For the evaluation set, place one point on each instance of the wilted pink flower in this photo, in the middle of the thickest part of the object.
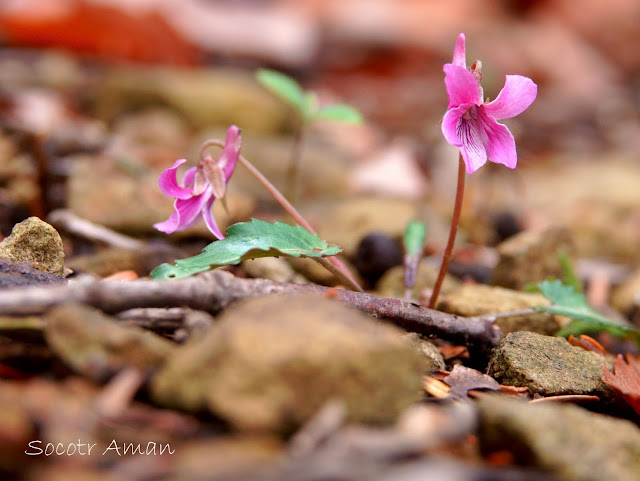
(200, 186)
(470, 124)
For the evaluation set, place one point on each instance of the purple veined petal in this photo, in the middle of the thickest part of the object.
(515, 97)
(207, 215)
(184, 215)
(450, 124)
(231, 151)
(169, 185)
(459, 52)
(474, 139)
(461, 85)
(500, 144)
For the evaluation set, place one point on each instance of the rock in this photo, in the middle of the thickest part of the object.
(34, 241)
(565, 440)
(273, 268)
(626, 296)
(376, 254)
(93, 343)
(21, 275)
(471, 300)
(204, 97)
(391, 284)
(532, 256)
(549, 366)
(311, 270)
(346, 221)
(323, 166)
(433, 359)
(271, 362)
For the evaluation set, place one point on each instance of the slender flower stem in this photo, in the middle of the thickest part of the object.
(455, 219)
(346, 276)
(293, 171)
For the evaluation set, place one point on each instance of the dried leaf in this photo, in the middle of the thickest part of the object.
(464, 379)
(587, 343)
(625, 379)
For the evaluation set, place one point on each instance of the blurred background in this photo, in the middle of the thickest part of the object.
(98, 96)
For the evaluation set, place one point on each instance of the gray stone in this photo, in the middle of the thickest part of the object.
(549, 366)
(36, 242)
(471, 300)
(271, 362)
(565, 440)
(433, 359)
(391, 284)
(95, 344)
(273, 268)
(203, 97)
(346, 221)
(532, 256)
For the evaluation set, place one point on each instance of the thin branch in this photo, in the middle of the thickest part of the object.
(66, 220)
(215, 290)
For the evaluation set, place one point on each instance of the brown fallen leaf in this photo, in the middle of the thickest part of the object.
(452, 352)
(625, 379)
(464, 379)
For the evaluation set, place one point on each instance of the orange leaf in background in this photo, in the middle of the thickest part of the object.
(85, 27)
(123, 276)
(587, 343)
(625, 379)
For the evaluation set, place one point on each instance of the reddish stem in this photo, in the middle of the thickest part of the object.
(455, 219)
(346, 276)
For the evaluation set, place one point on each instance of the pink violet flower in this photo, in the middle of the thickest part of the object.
(470, 123)
(194, 196)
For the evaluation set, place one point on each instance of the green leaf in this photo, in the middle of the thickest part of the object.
(414, 236)
(570, 277)
(579, 326)
(250, 240)
(284, 87)
(339, 113)
(567, 302)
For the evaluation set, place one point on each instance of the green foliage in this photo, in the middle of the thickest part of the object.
(586, 320)
(339, 113)
(284, 87)
(414, 237)
(570, 277)
(305, 103)
(250, 240)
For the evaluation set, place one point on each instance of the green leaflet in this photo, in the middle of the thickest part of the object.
(250, 240)
(567, 302)
(414, 236)
(305, 103)
(284, 87)
(339, 113)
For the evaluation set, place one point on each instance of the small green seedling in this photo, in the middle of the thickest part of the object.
(305, 104)
(413, 242)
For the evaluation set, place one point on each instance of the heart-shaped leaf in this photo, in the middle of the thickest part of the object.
(250, 240)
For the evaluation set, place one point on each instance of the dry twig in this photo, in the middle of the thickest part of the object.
(215, 290)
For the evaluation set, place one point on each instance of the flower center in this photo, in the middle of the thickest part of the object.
(471, 114)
